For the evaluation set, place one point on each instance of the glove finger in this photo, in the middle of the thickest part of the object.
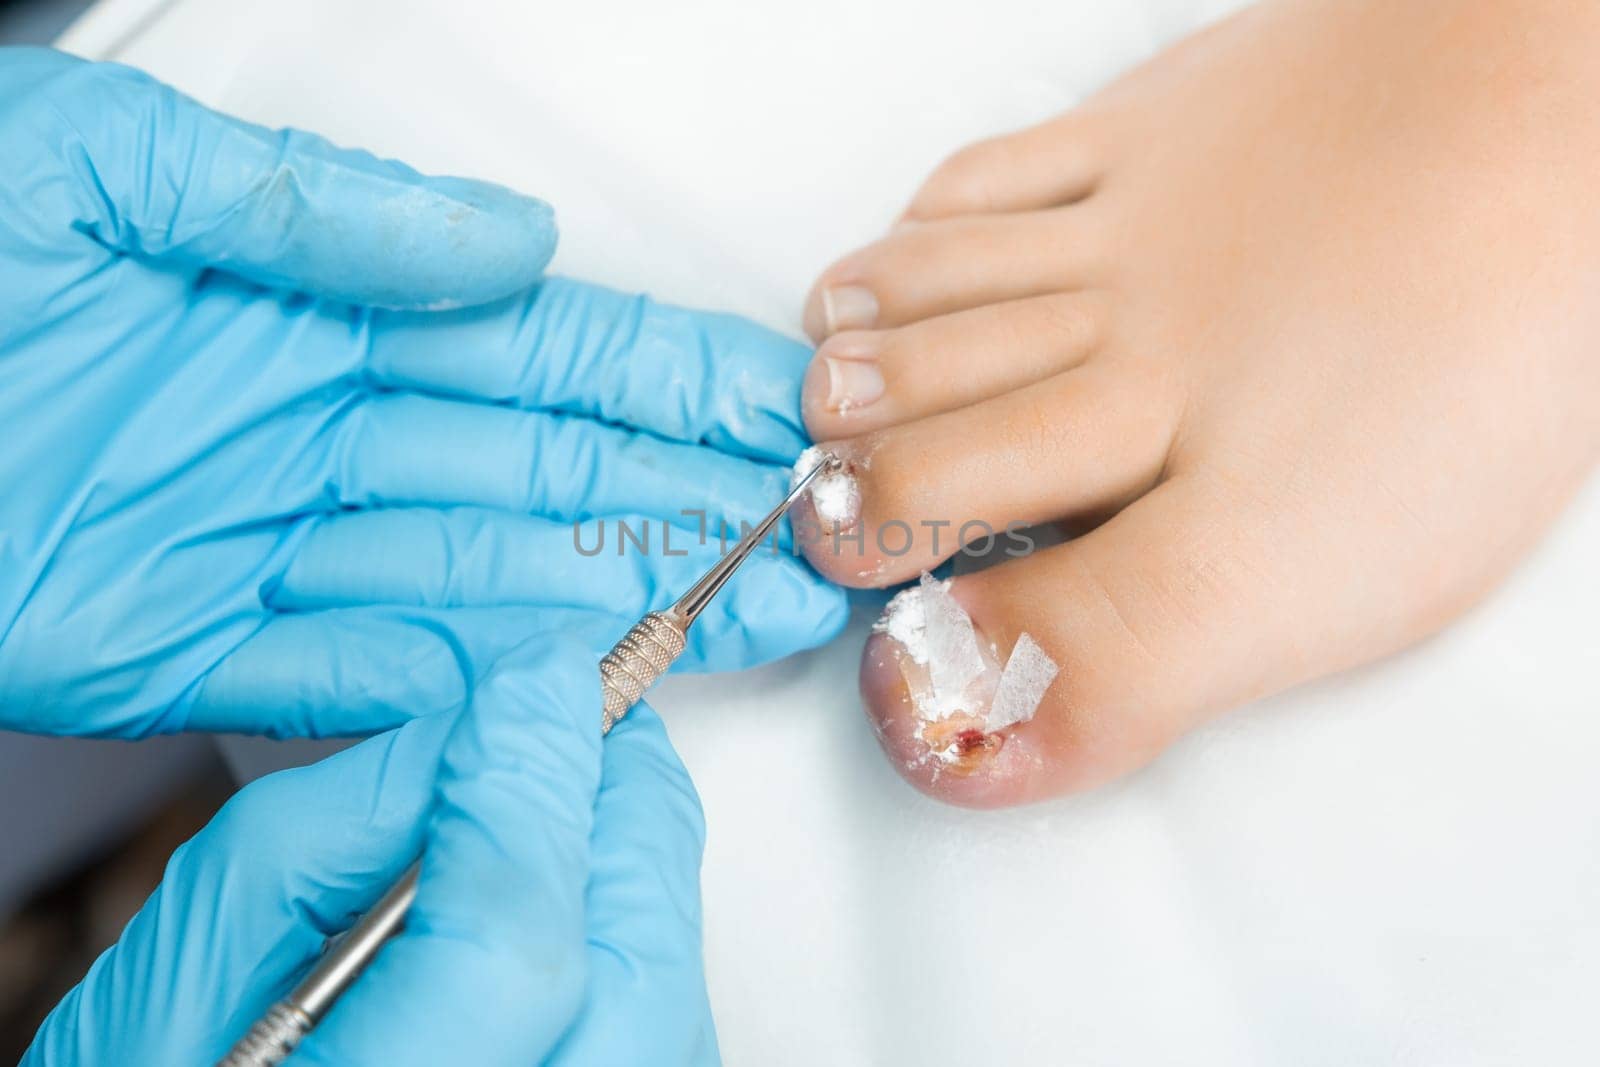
(147, 171)
(353, 671)
(472, 558)
(245, 906)
(492, 955)
(690, 376)
(401, 448)
(646, 997)
(347, 672)
(332, 674)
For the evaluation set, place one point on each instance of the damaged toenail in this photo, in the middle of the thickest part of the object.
(852, 384)
(967, 740)
(835, 494)
(849, 307)
(963, 698)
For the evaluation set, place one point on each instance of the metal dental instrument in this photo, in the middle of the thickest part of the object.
(634, 663)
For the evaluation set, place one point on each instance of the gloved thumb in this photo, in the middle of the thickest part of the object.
(493, 954)
(147, 171)
(245, 906)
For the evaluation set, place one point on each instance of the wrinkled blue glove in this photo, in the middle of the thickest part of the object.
(257, 475)
(557, 917)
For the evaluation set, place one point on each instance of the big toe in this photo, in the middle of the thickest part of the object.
(1081, 662)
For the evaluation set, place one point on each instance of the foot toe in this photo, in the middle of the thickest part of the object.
(1084, 442)
(1057, 162)
(864, 380)
(925, 269)
(1147, 630)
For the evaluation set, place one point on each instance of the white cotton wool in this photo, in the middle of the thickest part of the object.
(955, 659)
(905, 621)
(933, 630)
(834, 494)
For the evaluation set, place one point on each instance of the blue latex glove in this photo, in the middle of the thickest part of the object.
(557, 917)
(254, 475)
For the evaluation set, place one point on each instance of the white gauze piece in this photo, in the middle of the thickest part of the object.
(906, 622)
(834, 494)
(1028, 674)
(955, 660)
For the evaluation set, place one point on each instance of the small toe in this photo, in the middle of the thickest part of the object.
(1057, 162)
(1079, 443)
(925, 269)
(864, 380)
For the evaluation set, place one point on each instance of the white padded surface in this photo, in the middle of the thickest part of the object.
(1399, 866)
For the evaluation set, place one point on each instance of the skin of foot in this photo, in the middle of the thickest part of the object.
(1296, 329)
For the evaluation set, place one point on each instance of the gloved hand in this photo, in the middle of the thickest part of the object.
(292, 438)
(557, 917)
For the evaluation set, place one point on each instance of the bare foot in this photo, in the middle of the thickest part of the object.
(1305, 314)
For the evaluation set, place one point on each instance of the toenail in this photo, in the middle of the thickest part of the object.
(849, 307)
(835, 495)
(852, 383)
(965, 701)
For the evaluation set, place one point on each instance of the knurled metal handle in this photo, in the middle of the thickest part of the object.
(271, 1039)
(635, 662)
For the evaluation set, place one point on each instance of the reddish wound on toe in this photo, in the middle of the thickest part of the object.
(959, 744)
(971, 749)
(968, 741)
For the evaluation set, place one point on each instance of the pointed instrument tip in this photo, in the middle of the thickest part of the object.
(826, 465)
(692, 603)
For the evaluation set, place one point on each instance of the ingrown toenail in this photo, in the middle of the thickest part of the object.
(849, 307)
(964, 700)
(852, 384)
(835, 495)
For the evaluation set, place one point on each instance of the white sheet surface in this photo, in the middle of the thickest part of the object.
(1401, 865)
